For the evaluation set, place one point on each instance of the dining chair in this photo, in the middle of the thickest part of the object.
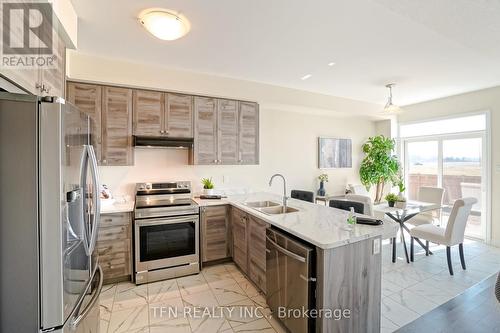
(303, 195)
(452, 235)
(433, 195)
(365, 200)
(359, 207)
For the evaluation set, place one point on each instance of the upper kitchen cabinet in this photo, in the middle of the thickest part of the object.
(53, 78)
(47, 80)
(205, 130)
(227, 136)
(226, 132)
(27, 78)
(88, 98)
(116, 125)
(248, 133)
(163, 114)
(179, 116)
(148, 113)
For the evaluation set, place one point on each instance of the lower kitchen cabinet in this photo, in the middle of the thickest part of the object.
(257, 251)
(214, 233)
(114, 247)
(239, 233)
(249, 246)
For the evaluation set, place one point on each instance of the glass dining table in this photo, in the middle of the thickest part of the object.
(401, 215)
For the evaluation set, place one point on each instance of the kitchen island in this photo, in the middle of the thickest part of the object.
(347, 259)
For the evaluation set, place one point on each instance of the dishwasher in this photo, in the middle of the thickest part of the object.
(290, 280)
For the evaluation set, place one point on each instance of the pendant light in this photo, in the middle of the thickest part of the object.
(390, 107)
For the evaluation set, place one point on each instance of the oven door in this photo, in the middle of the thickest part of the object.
(166, 242)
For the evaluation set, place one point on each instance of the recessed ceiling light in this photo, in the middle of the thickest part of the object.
(305, 77)
(331, 64)
(164, 24)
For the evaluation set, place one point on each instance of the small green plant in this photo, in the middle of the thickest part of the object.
(401, 183)
(323, 177)
(391, 197)
(207, 183)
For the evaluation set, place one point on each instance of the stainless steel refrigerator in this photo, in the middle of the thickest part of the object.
(50, 279)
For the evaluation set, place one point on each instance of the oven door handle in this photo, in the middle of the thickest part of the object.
(173, 220)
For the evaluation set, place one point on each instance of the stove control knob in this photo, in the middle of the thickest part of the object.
(148, 186)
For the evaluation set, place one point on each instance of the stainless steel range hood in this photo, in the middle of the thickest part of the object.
(163, 142)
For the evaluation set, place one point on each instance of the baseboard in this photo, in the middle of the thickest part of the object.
(495, 243)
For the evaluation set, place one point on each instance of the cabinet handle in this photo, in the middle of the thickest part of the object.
(104, 161)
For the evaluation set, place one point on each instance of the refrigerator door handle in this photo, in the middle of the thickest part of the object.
(95, 297)
(83, 186)
(96, 198)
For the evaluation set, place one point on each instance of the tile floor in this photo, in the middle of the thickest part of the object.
(160, 307)
(408, 291)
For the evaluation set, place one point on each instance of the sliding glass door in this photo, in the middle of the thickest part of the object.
(422, 166)
(463, 177)
(454, 162)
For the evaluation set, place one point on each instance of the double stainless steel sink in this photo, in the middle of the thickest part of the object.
(270, 207)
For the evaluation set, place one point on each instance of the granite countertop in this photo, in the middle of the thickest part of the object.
(319, 225)
(118, 207)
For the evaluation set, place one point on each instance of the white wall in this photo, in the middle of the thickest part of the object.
(290, 123)
(487, 99)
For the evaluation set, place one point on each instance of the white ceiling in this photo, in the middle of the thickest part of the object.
(430, 48)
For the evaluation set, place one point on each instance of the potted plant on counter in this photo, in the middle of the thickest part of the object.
(208, 186)
(391, 199)
(322, 179)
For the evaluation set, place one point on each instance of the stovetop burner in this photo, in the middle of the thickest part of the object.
(164, 199)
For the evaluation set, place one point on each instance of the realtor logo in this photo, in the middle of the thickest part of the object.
(27, 35)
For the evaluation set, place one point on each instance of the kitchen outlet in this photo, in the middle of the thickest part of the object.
(376, 246)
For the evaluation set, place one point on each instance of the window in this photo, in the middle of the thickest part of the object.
(449, 153)
(444, 126)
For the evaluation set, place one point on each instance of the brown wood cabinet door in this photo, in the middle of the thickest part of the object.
(53, 77)
(88, 98)
(205, 131)
(148, 112)
(114, 246)
(227, 143)
(27, 78)
(257, 251)
(239, 231)
(214, 225)
(179, 116)
(117, 126)
(249, 133)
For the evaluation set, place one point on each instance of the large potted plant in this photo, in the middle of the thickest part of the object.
(379, 165)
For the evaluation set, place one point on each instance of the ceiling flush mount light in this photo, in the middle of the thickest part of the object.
(164, 24)
(390, 107)
(331, 64)
(305, 77)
